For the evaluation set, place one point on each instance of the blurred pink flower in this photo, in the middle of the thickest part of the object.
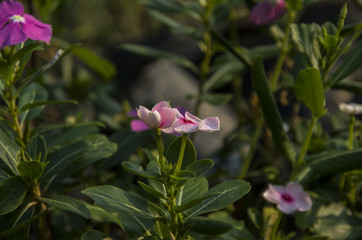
(189, 123)
(290, 198)
(267, 12)
(17, 26)
(161, 116)
(350, 108)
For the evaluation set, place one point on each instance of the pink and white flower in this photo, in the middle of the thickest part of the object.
(189, 123)
(288, 199)
(16, 26)
(267, 12)
(161, 116)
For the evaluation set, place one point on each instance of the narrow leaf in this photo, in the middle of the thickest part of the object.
(201, 166)
(43, 103)
(137, 169)
(68, 204)
(270, 110)
(8, 152)
(95, 235)
(36, 148)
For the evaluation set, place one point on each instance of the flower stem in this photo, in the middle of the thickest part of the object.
(161, 149)
(352, 119)
(276, 226)
(306, 142)
(254, 143)
(283, 51)
(43, 231)
(181, 154)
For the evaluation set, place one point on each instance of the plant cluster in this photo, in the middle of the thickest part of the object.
(296, 175)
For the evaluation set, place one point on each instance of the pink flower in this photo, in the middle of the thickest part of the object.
(267, 12)
(17, 26)
(190, 123)
(290, 198)
(161, 116)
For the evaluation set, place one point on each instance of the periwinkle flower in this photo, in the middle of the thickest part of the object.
(267, 12)
(16, 26)
(189, 123)
(288, 199)
(160, 116)
(350, 108)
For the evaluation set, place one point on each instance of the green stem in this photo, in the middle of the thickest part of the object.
(306, 142)
(276, 226)
(254, 143)
(161, 149)
(352, 119)
(43, 231)
(181, 154)
(283, 51)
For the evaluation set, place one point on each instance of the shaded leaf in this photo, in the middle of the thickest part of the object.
(209, 226)
(201, 166)
(12, 193)
(173, 151)
(8, 152)
(43, 103)
(137, 169)
(31, 171)
(95, 235)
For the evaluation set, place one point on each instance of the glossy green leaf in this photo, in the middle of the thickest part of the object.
(349, 65)
(270, 110)
(195, 188)
(309, 90)
(200, 166)
(114, 199)
(151, 52)
(98, 214)
(137, 169)
(37, 149)
(216, 99)
(224, 194)
(187, 205)
(32, 94)
(8, 152)
(44, 103)
(183, 175)
(330, 44)
(151, 190)
(336, 163)
(30, 171)
(95, 235)
(12, 193)
(103, 67)
(62, 157)
(5, 69)
(209, 226)
(67, 203)
(173, 150)
(135, 226)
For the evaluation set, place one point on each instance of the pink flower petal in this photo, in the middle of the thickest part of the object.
(187, 128)
(162, 104)
(11, 34)
(36, 30)
(272, 195)
(267, 12)
(304, 202)
(168, 116)
(294, 189)
(210, 124)
(138, 125)
(3, 20)
(143, 112)
(190, 117)
(10, 8)
(287, 207)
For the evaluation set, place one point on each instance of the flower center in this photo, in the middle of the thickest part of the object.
(185, 121)
(287, 198)
(17, 18)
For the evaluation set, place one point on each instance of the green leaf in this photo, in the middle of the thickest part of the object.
(137, 169)
(330, 44)
(114, 199)
(98, 214)
(173, 150)
(309, 90)
(95, 235)
(12, 193)
(255, 217)
(25, 50)
(209, 226)
(62, 157)
(349, 65)
(353, 87)
(135, 226)
(216, 99)
(151, 190)
(31, 171)
(32, 94)
(190, 204)
(8, 152)
(195, 188)
(151, 52)
(183, 175)
(336, 163)
(224, 194)
(3, 175)
(270, 110)
(68, 204)
(37, 149)
(103, 67)
(6, 69)
(200, 167)
(59, 55)
(43, 103)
